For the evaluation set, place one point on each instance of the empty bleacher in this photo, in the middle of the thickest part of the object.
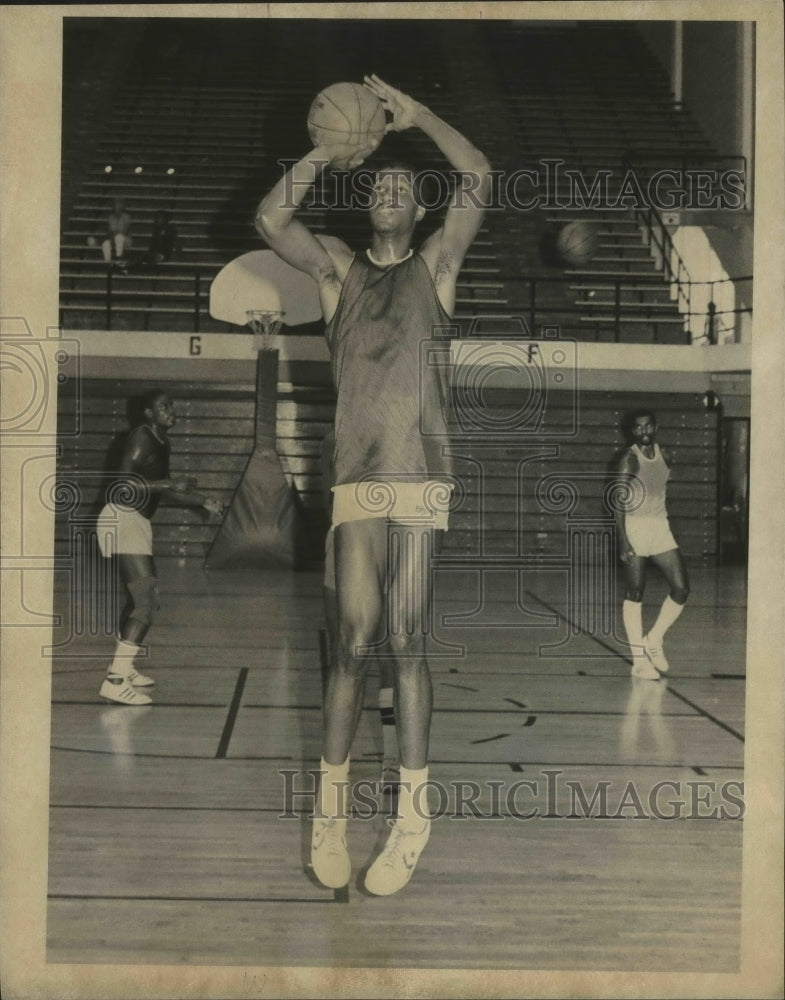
(592, 103)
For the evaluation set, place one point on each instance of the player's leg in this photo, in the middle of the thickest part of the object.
(672, 566)
(409, 607)
(389, 774)
(360, 559)
(409, 604)
(330, 605)
(359, 563)
(106, 249)
(390, 762)
(137, 573)
(331, 618)
(632, 616)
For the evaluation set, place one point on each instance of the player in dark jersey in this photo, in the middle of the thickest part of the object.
(379, 306)
(644, 533)
(125, 533)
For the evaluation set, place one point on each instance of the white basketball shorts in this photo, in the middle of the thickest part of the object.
(649, 536)
(124, 531)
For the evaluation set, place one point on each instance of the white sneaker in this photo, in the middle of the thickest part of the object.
(140, 680)
(395, 865)
(329, 856)
(641, 667)
(655, 655)
(119, 690)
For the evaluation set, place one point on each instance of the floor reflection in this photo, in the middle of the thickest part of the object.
(645, 733)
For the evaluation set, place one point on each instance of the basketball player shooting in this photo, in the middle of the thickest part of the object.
(645, 534)
(378, 308)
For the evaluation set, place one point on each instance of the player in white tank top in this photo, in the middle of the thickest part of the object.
(644, 534)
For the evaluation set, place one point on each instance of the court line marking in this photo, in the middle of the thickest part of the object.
(705, 714)
(436, 711)
(477, 762)
(701, 711)
(234, 707)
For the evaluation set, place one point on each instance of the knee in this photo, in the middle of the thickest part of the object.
(408, 648)
(680, 594)
(354, 639)
(634, 594)
(144, 597)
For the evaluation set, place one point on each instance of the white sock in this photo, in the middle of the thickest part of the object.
(389, 738)
(332, 801)
(632, 616)
(123, 662)
(669, 612)
(413, 809)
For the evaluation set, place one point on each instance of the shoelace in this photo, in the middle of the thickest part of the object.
(332, 838)
(393, 852)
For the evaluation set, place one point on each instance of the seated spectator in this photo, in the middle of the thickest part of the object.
(117, 237)
(164, 241)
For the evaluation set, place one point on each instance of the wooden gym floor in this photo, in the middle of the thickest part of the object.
(167, 843)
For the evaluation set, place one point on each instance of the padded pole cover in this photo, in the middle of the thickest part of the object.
(263, 527)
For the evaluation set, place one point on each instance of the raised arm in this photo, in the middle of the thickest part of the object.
(293, 241)
(445, 249)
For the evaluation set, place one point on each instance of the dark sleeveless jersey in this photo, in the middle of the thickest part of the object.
(392, 409)
(153, 465)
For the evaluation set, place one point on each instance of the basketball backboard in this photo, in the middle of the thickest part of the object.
(261, 280)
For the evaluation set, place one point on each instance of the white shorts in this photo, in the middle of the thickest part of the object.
(649, 536)
(124, 531)
(426, 504)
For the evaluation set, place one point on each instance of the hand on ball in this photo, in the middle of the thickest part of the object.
(345, 155)
(403, 108)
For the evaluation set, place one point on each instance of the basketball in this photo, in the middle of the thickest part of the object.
(346, 112)
(577, 242)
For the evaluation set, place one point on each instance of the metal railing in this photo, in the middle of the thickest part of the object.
(112, 292)
(666, 256)
(529, 300)
(619, 309)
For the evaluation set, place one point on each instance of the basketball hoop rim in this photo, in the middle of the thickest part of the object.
(265, 322)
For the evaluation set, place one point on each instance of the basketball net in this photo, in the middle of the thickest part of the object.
(265, 324)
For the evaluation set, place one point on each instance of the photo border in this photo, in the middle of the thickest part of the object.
(30, 95)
